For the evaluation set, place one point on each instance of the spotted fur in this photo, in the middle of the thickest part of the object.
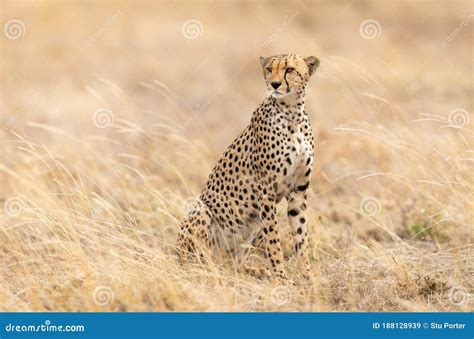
(270, 160)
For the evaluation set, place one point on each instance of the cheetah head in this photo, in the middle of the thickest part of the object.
(287, 74)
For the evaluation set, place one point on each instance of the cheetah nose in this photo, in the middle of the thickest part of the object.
(275, 84)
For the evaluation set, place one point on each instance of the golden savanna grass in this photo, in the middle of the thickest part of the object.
(113, 114)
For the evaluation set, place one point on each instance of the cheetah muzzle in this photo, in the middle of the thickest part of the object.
(270, 160)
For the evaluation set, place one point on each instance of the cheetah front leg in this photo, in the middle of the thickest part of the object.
(297, 216)
(273, 250)
(249, 267)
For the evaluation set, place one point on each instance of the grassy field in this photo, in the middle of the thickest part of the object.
(113, 113)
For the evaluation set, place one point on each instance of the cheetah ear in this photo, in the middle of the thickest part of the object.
(263, 61)
(312, 62)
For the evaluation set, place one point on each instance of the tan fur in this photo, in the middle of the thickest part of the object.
(270, 160)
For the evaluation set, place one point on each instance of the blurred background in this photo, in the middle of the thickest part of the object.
(113, 113)
(209, 50)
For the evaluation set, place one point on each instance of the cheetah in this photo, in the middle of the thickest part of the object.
(270, 160)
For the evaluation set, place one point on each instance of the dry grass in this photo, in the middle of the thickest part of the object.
(90, 214)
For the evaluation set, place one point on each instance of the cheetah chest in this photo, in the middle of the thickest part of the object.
(297, 164)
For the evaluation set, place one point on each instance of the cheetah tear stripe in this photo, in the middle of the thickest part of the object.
(270, 160)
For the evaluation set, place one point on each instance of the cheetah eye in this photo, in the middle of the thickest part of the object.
(269, 69)
(290, 69)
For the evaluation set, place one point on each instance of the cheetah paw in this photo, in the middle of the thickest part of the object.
(257, 272)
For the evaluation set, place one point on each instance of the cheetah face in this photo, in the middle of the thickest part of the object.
(286, 74)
